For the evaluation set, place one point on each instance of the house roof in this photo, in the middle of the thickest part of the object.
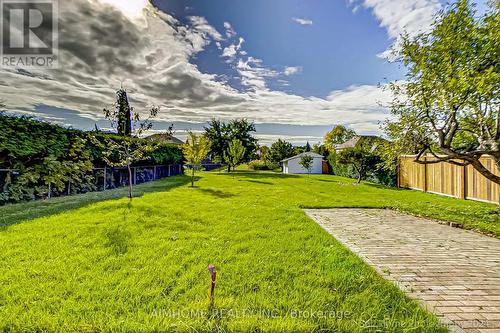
(165, 138)
(314, 155)
(351, 143)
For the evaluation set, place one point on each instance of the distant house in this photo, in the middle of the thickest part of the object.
(370, 141)
(291, 165)
(165, 138)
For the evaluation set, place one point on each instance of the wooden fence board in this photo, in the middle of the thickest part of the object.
(449, 179)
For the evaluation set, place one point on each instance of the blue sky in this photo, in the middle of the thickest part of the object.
(337, 50)
(294, 67)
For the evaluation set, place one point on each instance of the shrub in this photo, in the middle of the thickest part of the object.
(48, 157)
(262, 165)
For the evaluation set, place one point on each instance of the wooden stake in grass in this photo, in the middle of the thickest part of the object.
(213, 277)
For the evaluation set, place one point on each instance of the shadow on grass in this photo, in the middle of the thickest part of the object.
(259, 182)
(258, 175)
(217, 193)
(21, 212)
(383, 187)
(328, 181)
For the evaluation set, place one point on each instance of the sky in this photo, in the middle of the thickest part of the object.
(294, 67)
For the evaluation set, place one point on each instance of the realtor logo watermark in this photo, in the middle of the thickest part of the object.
(29, 34)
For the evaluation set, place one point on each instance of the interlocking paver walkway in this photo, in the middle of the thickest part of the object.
(454, 272)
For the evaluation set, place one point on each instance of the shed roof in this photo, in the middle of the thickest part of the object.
(314, 155)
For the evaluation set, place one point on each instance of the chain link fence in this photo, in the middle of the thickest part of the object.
(101, 179)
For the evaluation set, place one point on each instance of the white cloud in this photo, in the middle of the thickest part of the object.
(402, 16)
(130, 8)
(254, 74)
(230, 33)
(153, 61)
(200, 24)
(302, 21)
(292, 70)
(231, 51)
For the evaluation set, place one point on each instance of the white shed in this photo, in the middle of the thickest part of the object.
(291, 165)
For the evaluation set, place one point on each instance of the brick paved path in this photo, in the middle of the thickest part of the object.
(454, 272)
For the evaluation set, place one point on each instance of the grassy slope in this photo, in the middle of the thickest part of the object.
(117, 266)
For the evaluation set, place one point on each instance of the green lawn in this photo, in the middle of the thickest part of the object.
(111, 265)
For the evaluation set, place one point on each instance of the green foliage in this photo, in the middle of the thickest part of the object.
(195, 151)
(321, 149)
(361, 160)
(221, 134)
(367, 160)
(306, 162)
(265, 153)
(165, 154)
(51, 160)
(262, 165)
(339, 134)
(448, 104)
(121, 114)
(302, 149)
(234, 154)
(281, 150)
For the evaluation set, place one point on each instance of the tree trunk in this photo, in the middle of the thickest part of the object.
(129, 181)
(359, 173)
(192, 177)
(228, 168)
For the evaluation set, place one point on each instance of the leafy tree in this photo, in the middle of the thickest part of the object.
(221, 134)
(449, 105)
(307, 148)
(218, 134)
(127, 149)
(321, 149)
(195, 151)
(123, 115)
(281, 150)
(265, 153)
(235, 154)
(360, 159)
(242, 129)
(339, 134)
(306, 162)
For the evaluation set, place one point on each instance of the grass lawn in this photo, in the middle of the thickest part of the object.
(100, 263)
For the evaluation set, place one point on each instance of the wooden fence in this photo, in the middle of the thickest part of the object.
(449, 179)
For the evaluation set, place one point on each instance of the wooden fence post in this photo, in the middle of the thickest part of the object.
(135, 175)
(425, 174)
(104, 181)
(463, 194)
(154, 172)
(398, 173)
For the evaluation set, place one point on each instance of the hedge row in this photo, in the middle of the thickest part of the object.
(46, 157)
